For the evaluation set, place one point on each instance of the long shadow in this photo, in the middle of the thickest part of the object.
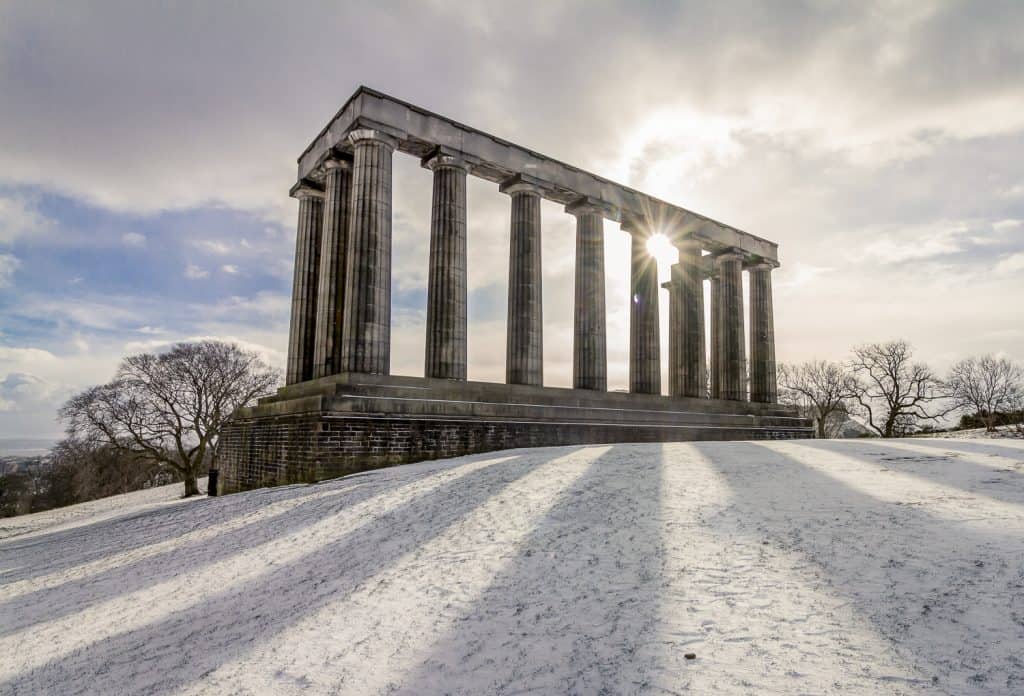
(943, 467)
(92, 541)
(176, 650)
(52, 603)
(904, 569)
(973, 446)
(580, 598)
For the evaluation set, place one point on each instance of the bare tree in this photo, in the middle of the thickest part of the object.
(169, 408)
(893, 392)
(987, 385)
(820, 387)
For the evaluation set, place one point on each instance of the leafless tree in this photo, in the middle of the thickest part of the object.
(891, 391)
(169, 408)
(988, 386)
(821, 388)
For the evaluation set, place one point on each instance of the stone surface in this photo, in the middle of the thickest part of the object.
(366, 336)
(687, 367)
(524, 354)
(763, 387)
(716, 323)
(732, 360)
(349, 423)
(644, 330)
(589, 350)
(302, 330)
(418, 130)
(445, 354)
(331, 293)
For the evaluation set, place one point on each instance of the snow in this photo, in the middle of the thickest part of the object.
(853, 567)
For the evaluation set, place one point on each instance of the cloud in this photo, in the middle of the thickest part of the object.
(212, 246)
(19, 218)
(1014, 263)
(230, 269)
(193, 272)
(8, 265)
(133, 239)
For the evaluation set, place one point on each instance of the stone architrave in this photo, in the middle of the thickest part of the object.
(445, 355)
(366, 336)
(302, 330)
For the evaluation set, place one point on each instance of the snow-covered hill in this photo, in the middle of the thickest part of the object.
(852, 567)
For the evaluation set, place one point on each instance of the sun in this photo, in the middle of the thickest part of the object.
(662, 250)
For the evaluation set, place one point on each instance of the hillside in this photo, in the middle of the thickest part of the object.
(853, 567)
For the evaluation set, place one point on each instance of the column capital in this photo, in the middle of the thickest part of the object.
(363, 134)
(306, 189)
(332, 163)
(730, 254)
(762, 265)
(634, 224)
(585, 205)
(689, 247)
(438, 160)
(521, 183)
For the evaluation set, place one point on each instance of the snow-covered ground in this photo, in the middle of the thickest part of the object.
(845, 567)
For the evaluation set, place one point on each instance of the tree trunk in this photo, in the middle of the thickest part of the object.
(191, 487)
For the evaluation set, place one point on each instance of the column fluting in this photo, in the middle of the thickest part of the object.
(589, 348)
(302, 328)
(644, 339)
(763, 386)
(366, 333)
(716, 323)
(687, 370)
(524, 353)
(446, 287)
(331, 294)
(732, 361)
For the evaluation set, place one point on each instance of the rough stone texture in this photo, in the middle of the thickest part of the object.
(763, 387)
(731, 342)
(366, 337)
(524, 354)
(349, 423)
(302, 331)
(687, 371)
(589, 348)
(446, 286)
(331, 294)
(716, 323)
(644, 339)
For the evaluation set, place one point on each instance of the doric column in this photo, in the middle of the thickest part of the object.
(304, 283)
(589, 346)
(366, 336)
(446, 286)
(763, 386)
(716, 323)
(687, 371)
(331, 295)
(524, 352)
(644, 340)
(732, 359)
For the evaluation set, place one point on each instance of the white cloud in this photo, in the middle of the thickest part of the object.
(229, 268)
(194, 272)
(133, 239)
(212, 246)
(8, 265)
(19, 218)
(1014, 263)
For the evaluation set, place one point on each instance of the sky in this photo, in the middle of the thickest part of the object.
(147, 149)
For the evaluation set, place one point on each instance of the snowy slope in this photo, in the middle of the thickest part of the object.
(852, 567)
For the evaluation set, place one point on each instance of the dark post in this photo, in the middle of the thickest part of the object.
(211, 483)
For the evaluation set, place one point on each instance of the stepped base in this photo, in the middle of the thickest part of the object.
(348, 423)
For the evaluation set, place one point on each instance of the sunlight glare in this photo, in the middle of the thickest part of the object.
(662, 250)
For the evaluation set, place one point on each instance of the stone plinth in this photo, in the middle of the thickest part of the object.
(352, 422)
